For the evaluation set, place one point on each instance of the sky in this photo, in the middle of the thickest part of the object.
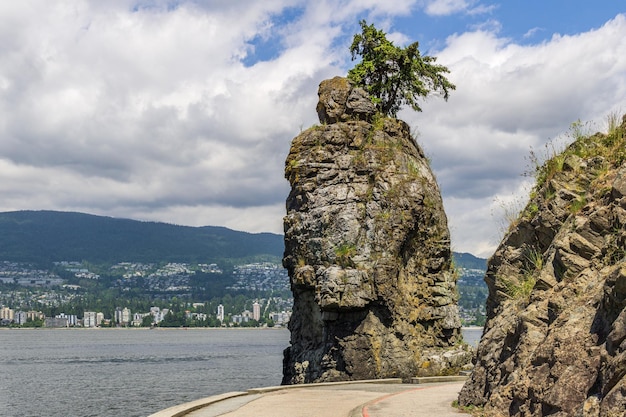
(183, 111)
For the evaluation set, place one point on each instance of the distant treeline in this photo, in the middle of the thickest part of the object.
(469, 261)
(42, 237)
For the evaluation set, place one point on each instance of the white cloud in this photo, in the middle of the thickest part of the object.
(139, 109)
(511, 99)
(490, 25)
(446, 7)
(130, 109)
(253, 219)
(530, 33)
(150, 113)
(449, 7)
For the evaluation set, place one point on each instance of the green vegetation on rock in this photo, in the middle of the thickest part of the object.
(556, 310)
(395, 76)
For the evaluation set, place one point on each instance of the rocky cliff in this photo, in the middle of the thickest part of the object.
(367, 249)
(555, 340)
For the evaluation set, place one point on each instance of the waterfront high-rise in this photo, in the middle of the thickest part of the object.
(6, 314)
(220, 312)
(256, 311)
(126, 316)
(99, 318)
(89, 319)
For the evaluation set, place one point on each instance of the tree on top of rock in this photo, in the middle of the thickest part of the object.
(395, 76)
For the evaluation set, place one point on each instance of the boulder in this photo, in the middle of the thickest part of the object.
(339, 101)
(367, 248)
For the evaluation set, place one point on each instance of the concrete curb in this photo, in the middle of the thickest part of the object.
(432, 379)
(186, 408)
(324, 384)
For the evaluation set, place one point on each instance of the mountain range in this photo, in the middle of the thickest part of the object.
(42, 237)
(46, 236)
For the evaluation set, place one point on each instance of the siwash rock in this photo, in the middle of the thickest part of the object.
(367, 249)
(555, 339)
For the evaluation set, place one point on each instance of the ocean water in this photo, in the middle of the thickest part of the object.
(472, 335)
(133, 372)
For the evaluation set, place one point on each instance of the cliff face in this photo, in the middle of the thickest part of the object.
(555, 339)
(367, 249)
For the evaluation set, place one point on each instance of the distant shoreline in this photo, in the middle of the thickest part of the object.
(142, 328)
(472, 327)
(172, 328)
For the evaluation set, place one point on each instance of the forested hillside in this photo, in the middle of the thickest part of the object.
(33, 245)
(46, 236)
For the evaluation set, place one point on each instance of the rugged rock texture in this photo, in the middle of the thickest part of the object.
(367, 248)
(555, 339)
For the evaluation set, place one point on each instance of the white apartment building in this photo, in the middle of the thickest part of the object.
(220, 312)
(256, 311)
(7, 314)
(72, 320)
(126, 315)
(20, 317)
(89, 319)
(123, 316)
(281, 318)
(159, 314)
(138, 319)
(35, 315)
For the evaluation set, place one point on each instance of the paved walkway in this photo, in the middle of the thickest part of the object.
(356, 399)
(422, 401)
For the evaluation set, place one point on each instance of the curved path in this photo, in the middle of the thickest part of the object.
(387, 398)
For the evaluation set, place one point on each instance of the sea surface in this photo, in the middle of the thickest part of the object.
(133, 372)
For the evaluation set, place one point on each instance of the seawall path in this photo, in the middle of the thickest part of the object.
(377, 398)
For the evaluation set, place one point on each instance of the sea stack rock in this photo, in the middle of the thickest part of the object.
(367, 248)
(555, 339)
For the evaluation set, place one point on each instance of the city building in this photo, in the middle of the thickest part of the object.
(282, 318)
(196, 316)
(247, 315)
(89, 319)
(220, 312)
(34, 315)
(240, 318)
(72, 320)
(158, 314)
(6, 314)
(123, 316)
(126, 316)
(256, 311)
(56, 322)
(20, 317)
(138, 319)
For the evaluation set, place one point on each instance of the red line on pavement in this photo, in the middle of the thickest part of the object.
(364, 410)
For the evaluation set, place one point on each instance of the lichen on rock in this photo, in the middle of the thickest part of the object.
(367, 248)
(555, 339)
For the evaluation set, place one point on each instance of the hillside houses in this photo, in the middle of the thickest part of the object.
(264, 276)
